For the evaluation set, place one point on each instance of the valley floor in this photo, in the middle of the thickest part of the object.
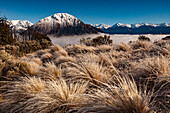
(65, 40)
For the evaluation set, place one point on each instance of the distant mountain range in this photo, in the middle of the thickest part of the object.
(19, 25)
(65, 24)
(101, 26)
(143, 28)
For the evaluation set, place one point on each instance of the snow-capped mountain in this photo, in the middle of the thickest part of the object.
(63, 19)
(63, 24)
(20, 24)
(164, 25)
(152, 25)
(141, 28)
(121, 25)
(101, 26)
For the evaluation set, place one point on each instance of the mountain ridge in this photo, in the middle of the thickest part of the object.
(65, 24)
(141, 28)
(137, 25)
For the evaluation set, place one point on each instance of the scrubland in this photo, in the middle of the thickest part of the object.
(122, 78)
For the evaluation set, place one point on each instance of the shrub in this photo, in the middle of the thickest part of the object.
(143, 38)
(25, 47)
(166, 38)
(5, 35)
(100, 40)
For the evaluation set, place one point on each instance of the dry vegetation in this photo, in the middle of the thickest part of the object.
(124, 78)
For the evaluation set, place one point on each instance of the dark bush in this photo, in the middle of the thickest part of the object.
(143, 38)
(100, 40)
(25, 47)
(166, 38)
(5, 34)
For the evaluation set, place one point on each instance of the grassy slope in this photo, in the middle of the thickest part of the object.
(122, 78)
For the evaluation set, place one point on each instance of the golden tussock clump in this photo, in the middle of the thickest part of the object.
(46, 56)
(124, 47)
(146, 45)
(79, 49)
(52, 71)
(120, 97)
(37, 60)
(63, 59)
(32, 68)
(37, 95)
(58, 49)
(104, 48)
(166, 50)
(90, 70)
(159, 66)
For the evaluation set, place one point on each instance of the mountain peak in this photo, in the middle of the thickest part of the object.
(64, 19)
(63, 24)
(121, 25)
(63, 14)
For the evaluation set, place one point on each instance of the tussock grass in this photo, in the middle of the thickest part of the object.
(108, 59)
(104, 48)
(46, 56)
(37, 60)
(121, 97)
(53, 71)
(79, 49)
(59, 49)
(146, 45)
(32, 68)
(159, 66)
(37, 95)
(41, 52)
(63, 59)
(166, 50)
(123, 78)
(124, 47)
(90, 70)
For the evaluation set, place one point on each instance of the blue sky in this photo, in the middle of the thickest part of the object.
(90, 11)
